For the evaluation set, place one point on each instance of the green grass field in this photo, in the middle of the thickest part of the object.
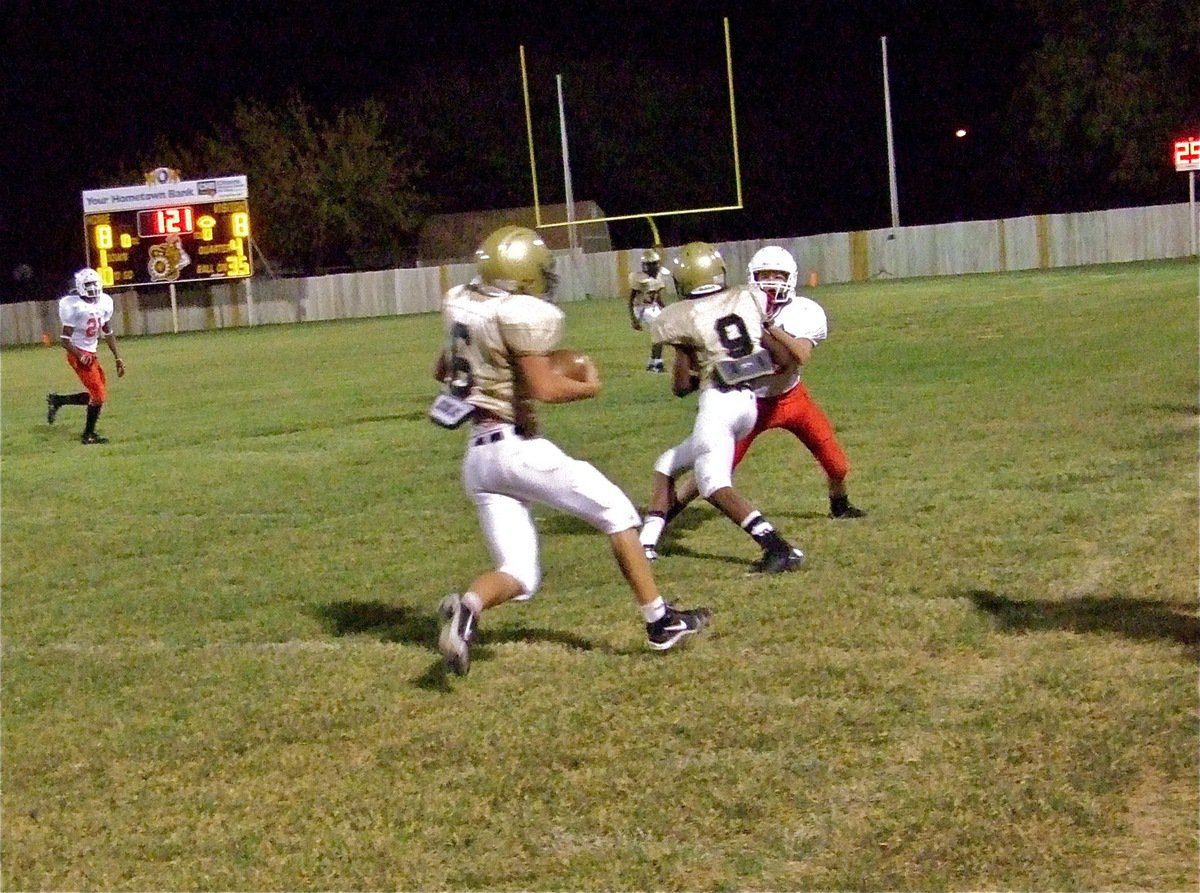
(219, 637)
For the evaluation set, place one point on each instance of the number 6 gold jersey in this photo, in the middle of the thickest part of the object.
(486, 330)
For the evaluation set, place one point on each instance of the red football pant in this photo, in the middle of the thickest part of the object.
(797, 412)
(92, 377)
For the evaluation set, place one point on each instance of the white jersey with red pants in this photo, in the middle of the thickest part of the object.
(785, 403)
(88, 321)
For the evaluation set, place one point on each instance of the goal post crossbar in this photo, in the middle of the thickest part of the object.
(737, 172)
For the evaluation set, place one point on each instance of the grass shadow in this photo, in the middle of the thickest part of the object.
(391, 623)
(672, 548)
(1136, 618)
(695, 515)
(561, 524)
(802, 516)
(436, 678)
(400, 623)
(1181, 408)
(286, 430)
(532, 634)
(413, 416)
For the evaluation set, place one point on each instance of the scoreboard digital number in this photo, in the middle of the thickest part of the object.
(169, 232)
(166, 222)
(1186, 154)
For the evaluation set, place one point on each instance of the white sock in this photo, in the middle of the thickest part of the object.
(655, 610)
(473, 602)
(652, 529)
(756, 525)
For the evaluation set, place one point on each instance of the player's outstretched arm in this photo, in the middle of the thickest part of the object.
(111, 340)
(786, 349)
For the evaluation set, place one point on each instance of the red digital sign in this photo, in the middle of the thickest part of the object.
(1187, 154)
(165, 222)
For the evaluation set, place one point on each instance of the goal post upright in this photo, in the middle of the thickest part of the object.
(737, 168)
(648, 215)
(537, 208)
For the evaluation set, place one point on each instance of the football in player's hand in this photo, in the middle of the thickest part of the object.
(571, 364)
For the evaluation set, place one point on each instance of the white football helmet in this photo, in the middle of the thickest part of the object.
(778, 291)
(88, 284)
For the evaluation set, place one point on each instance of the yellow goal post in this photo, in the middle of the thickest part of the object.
(737, 173)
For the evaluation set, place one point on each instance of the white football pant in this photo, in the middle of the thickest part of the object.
(723, 417)
(504, 477)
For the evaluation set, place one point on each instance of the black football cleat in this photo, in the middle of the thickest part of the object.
(847, 511)
(778, 562)
(458, 632)
(92, 437)
(675, 625)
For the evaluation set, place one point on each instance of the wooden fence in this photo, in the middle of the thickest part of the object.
(984, 246)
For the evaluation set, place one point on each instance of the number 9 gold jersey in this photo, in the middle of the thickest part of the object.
(721, 326)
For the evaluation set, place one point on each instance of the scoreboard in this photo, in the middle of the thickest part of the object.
(1186, 153)
(169, 232)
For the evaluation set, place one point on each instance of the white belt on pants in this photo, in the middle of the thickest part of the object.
(490, 437)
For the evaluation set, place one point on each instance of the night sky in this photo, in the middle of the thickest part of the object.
(87, 86)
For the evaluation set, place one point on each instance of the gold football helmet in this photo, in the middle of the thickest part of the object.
(516, 260)
(698, 269)
(651, 260)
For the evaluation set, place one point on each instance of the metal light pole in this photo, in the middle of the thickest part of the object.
(891, 149)
(572, 239)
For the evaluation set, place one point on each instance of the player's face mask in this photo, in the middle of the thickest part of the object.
(87, 283)
(777, 286)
